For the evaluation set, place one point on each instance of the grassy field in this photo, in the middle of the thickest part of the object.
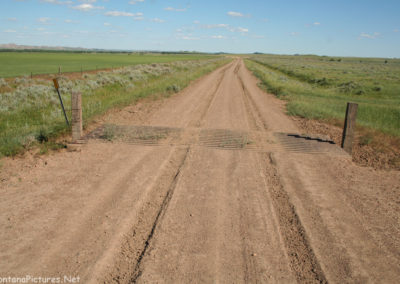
(14, 64)
(319, 87)
(30, 113)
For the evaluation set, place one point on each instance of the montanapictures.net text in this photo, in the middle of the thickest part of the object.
(39, 280)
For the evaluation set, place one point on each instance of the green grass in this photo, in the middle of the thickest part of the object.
(34, 117)
(14, 64)
(320, 87)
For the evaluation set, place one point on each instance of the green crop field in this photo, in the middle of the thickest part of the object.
(319, 87)
(14, 64)
(30, 111)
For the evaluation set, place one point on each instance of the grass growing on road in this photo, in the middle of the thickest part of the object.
(14, 64)
(30, 111)
(319, 87)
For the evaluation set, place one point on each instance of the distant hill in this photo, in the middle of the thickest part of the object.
(12, 46)
(33, 48)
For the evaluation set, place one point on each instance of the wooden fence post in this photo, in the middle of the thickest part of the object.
(349, 127)
(76, 101)
(59, 70)
(57, 86)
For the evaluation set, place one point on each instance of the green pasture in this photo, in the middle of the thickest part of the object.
(13, 64)
(320, 87)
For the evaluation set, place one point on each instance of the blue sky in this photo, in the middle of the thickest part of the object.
(325, 27)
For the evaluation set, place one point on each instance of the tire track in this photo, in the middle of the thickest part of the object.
(160, 214)
(125, 264)
(110, 190)
(252, 270)
(258, 123)
(303, 262)
(198, 122)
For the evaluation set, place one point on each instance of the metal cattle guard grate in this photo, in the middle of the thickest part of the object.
(223, 139)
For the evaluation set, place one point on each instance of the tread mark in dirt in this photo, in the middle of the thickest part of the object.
(199, 122)
(137, 272)
(251, 108)
(303, 262)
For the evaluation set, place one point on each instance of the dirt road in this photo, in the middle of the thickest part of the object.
(213, 185)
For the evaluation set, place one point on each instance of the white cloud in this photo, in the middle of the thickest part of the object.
(175, 9)
(107, 24)
(227, 27)
(316, 24)
(12, 19)
(43, 20)
(216, 26)
(9, 31)
(122, 14)
(87, 7)
(196, 22)
(68, 21)
(133, 2)
(157, 20)
(189, 38)
(370, 36)
(218, 37)
(57, 2)
(396, 30)
(138, 18)
(294, 34)
(235, 14)
(88, 1)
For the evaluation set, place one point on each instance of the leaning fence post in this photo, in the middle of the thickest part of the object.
(76, 121)
(57, 86)
(349, 127)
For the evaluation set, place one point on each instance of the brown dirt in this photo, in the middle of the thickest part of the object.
(201, 206)
(371, 149)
